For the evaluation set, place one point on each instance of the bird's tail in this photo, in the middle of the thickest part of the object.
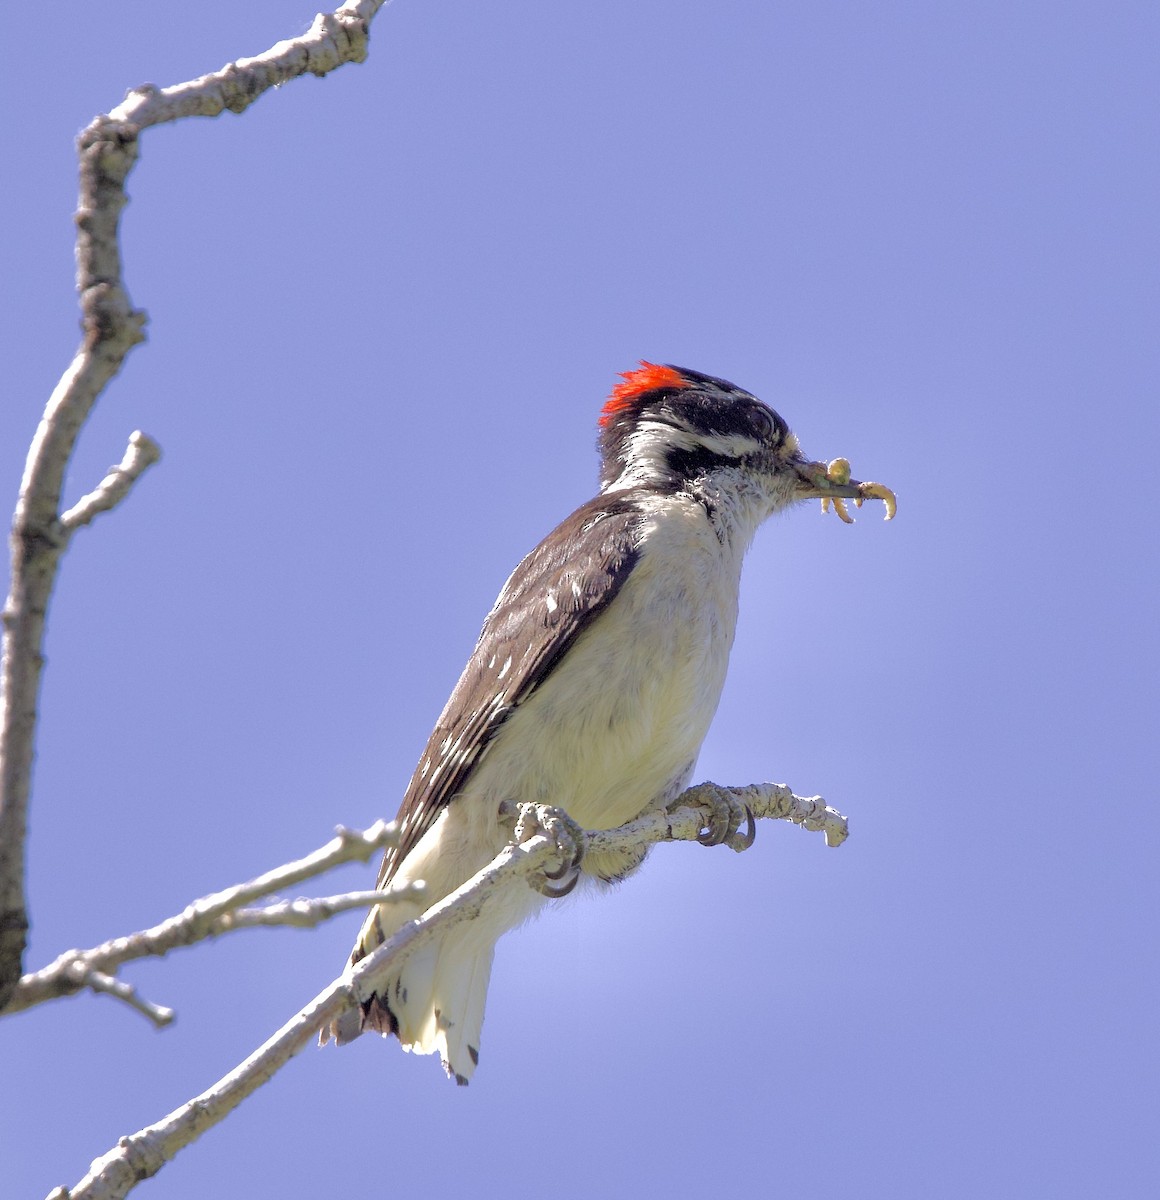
(438, 1001)
(434, 1004)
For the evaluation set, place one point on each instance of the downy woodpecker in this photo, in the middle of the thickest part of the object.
(594, 680)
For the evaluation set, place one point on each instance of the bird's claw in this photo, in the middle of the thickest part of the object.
(568, 837)
(558, 893)
(742, 841)
(726, 814)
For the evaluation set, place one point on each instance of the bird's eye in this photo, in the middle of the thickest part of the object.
(767, 427)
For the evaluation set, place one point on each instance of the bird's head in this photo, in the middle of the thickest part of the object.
(670, 429)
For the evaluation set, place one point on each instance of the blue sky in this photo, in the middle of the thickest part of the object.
(385, 310)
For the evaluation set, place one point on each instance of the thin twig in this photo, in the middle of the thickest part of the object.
(141, 453)
(98, 981)
(305, 914)
(206, 918)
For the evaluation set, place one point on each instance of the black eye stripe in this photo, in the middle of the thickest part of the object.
(744, 417)
(699, 460)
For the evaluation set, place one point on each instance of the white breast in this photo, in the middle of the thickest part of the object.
(618, 724)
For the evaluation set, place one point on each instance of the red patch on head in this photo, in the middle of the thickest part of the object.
(646, 378)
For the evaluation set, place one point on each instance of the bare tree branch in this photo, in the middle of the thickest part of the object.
(141, 453)
(99, 982)
(228, 910)
(75, 966)
(221, 912)
(107, 150)
(142, 1154)
(306, 914)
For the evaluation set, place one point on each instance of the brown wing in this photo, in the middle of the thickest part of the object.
(566, 581)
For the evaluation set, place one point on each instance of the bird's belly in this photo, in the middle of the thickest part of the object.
(617, 726)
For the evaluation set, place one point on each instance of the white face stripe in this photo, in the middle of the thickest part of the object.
(729, 445)
(648, 447)
(646, 454)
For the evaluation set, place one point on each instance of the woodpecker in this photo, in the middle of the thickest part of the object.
(594, 680)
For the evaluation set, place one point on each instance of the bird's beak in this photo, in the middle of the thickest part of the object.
(832, 482)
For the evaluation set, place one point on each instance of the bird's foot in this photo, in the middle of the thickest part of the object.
(726, 815)
(569, 839)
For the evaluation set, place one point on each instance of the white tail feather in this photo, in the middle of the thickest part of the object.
(460, 996)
